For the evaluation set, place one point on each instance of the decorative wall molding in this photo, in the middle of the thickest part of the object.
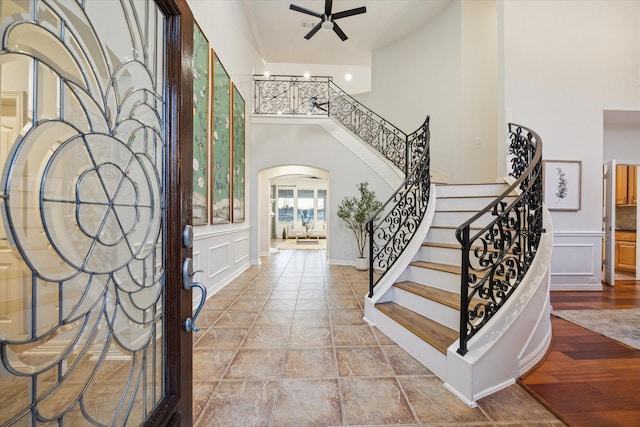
(241, 249)
(218, 259)
(214, 232)
(223, 254)
(576, 263)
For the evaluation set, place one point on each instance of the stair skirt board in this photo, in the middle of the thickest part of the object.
(537, 355)
(426, 354)
(440, 313)
(473, 403)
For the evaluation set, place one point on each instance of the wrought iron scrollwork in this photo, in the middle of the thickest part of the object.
(368, 126)
(395, 224)
(83, 213)
(319, 96)
(496, 258)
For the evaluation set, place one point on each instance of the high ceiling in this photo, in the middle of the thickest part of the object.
(280, 31)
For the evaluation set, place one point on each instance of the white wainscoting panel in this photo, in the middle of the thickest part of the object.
(218, 259)
(576, 263)
(241, 250)
(197, 264)
(222, 252)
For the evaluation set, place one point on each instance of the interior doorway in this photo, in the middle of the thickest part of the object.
(621, 131)
(293, 207)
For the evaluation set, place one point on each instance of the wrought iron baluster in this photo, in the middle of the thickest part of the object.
(504, 249)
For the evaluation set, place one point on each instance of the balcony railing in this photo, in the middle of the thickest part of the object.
(496, 258)
(319, 96)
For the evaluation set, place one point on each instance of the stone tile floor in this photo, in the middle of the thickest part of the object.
(284, 344)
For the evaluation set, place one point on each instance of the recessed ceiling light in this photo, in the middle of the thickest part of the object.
(307, 75)
(266, 74)
(348, 77)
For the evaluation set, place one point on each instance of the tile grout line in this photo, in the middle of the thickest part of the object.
(237, 349)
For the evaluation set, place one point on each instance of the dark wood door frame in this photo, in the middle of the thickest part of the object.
(176, 407)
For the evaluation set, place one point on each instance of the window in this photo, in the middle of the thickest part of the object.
(285, 205)
(322, 202)
(305, 206)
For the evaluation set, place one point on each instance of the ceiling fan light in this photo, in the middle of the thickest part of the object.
(327, 25)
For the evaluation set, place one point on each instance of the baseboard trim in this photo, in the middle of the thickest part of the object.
(576, 287)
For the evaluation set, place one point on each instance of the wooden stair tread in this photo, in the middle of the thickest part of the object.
(488, 196)
(448, 268)
(442, 245)
(450, 299)
(453, 227)
(470, 183)
(456, 246)
(447, 298)
(433, 333)
(459, 210)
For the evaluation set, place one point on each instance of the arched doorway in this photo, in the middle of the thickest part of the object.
(294, 177)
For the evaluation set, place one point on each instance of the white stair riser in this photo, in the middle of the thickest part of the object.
(464, 203)
(439, 255)
(430, 309)
(426, 354)
(442, 235)
(454, 219)
(453, 190)
(437, 279)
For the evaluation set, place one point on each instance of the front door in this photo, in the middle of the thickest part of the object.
(91, 198)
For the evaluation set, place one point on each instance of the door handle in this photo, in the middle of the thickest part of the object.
(187, 275)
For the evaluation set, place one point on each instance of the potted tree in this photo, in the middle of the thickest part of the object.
(355, 212)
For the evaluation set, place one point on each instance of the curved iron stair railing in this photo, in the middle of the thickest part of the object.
(504, 249)
(396, 222)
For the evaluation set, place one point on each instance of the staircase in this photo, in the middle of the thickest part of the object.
(420, 310)
(459, 274)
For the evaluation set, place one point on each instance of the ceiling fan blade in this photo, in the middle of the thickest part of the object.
(313, 30)
(339, 32)
(350, 12)
(303, 10)
(328, 4)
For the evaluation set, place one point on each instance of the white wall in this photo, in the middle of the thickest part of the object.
(448, 70)
(565, 63)
(622, 142)
(222, 251)
(478, 93)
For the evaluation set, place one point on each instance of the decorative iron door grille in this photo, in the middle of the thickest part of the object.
(82, 224)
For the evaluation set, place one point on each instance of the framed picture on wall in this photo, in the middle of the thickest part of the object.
(200, 127)
(237, 156)
(562, 184)
(221, 162)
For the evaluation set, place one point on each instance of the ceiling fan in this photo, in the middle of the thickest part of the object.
(327, 20)
(319, 104)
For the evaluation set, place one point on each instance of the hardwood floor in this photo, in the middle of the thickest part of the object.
(588, 379)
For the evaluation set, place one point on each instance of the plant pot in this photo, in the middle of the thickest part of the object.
(362, 263)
